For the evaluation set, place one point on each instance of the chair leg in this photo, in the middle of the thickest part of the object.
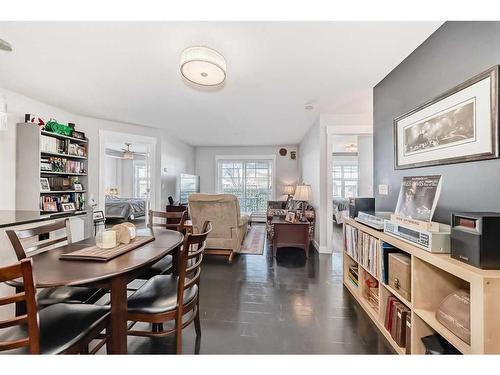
(231, 256)
(197, 325)
(178, 335)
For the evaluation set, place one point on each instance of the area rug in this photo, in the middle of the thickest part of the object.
(254, 240)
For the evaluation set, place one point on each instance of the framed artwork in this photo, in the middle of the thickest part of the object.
(50, 206)
(77, 187)
(66, 207)
(290, 217)
(44, 184)
(98, 215)
(458, 126)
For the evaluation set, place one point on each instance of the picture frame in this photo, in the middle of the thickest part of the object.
(50, 207)
(460, 125)
(68, 207)
(44, 184)
(78, 135)
(98, 215)
(77, 187)
(290, 217)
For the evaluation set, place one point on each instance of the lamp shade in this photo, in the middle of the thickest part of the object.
(288, 189)
(203, 66)
(303, 193)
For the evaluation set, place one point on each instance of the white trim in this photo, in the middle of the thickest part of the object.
(247, 157)
(107, 135)
(331, 131)
(320, 249)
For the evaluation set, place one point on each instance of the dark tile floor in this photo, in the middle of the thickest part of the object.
(285, 305)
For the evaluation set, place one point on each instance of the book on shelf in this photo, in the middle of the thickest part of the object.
(61, 146)
(62, 165)
(369, 252)
(54, 203)
(351, 242)
(352, 274)
(395, 320)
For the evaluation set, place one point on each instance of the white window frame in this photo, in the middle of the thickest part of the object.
(342, 179)
(236, 158)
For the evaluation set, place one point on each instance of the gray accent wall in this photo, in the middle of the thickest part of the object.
(454, 53)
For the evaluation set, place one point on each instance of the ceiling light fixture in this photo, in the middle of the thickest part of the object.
(203, 66)
(5, 46)
(127, 154)
(351, 147)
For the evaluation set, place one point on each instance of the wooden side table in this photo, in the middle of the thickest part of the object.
(286, 234)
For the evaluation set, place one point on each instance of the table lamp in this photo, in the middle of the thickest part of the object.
(288, 190)
(303, 193)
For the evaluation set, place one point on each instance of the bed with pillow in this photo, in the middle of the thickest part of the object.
(340, 209)
(124, 208)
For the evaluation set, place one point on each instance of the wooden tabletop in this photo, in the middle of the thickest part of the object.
(50, 271)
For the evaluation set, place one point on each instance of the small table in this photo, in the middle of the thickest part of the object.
(287, 234)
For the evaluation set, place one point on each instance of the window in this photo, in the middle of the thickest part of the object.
(345, 181)
(250, 180)
(141, 179)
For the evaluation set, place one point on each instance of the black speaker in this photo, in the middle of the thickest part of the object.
(475, 237)
(361, 204)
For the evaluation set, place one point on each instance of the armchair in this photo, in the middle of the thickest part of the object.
(229, 227)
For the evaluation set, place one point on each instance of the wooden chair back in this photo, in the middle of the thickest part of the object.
(190, 263)
(22, 270)
(180, 219)
(27, 240)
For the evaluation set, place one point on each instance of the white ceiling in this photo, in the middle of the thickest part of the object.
(129, 71)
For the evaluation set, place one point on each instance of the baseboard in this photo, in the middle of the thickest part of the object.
(320, 249)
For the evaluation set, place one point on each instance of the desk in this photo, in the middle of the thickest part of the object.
(50, 271)
(286, 234)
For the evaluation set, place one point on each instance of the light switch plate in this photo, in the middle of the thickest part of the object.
(383, 189)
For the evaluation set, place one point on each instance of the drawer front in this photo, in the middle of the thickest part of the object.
(400, 274)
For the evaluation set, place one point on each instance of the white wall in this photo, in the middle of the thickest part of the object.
(312, 156)
(286, 169)
(171, 153)
(365, 165)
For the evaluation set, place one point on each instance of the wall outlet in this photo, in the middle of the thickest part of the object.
(383, 189)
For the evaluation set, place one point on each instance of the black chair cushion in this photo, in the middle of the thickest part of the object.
(67, 294)
(61, 326)
(162, 267)
(159, 295)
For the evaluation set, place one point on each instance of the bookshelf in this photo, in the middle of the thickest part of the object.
(433, 277)
(61, 159)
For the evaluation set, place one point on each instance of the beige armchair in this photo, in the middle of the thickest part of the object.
(229, 227)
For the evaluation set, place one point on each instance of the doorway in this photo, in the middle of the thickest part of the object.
(127, 180)
(350, 174)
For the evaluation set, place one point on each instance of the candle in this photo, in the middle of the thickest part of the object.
(108, 239)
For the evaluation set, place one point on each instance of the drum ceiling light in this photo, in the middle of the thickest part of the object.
(203, 66)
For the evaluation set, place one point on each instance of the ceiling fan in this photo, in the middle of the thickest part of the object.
(128, 154)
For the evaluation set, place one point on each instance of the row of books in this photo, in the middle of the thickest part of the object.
(398, 322)
(352, 275)
(63, 183)
(369, 253)
(351, 242)
(55, 145)
(57, 164)
(54, 203)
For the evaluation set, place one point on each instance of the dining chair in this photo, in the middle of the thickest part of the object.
(167, 298)
(59, 328)
(164, 265)
(44, 238)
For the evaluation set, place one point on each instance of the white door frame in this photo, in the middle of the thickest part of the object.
(111, 136)
(331, 132)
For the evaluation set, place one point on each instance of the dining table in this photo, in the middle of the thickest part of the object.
(114, 275)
